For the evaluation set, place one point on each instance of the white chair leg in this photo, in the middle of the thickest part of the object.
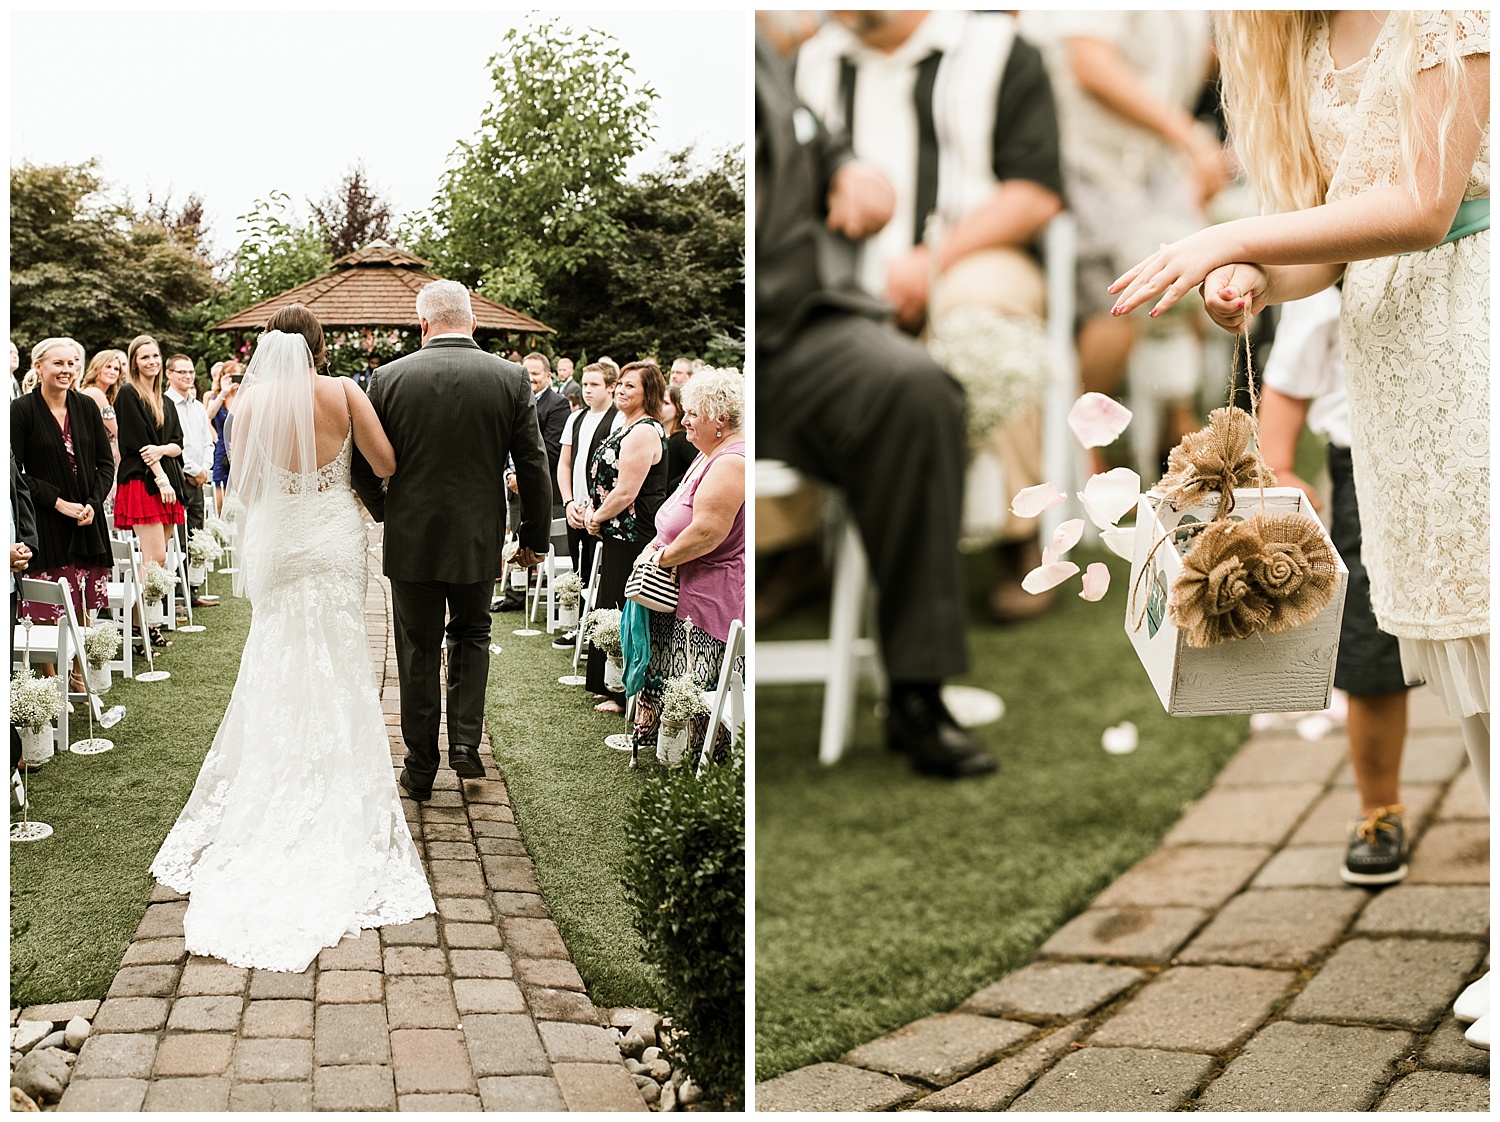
(849, 584)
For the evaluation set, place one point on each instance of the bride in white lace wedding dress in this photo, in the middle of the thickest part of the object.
(294, 834)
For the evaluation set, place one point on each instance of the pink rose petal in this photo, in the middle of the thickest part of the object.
(1095, 581)
(1096, 420)
(1044, 577)
(1107, 498)
(1066, 537)
(1032, 501)
(1120, 540)
(1049, 556)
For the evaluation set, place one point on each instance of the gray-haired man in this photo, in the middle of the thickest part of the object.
(453, 414)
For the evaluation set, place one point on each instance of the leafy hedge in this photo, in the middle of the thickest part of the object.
(687, 884)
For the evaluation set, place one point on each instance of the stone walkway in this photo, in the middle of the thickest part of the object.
(476, 1008)
(1231, 969)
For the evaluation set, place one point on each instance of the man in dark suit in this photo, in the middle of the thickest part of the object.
(899, 456)
(552, 412)
(453, 414)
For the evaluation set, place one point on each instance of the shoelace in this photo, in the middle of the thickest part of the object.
(1378, 819)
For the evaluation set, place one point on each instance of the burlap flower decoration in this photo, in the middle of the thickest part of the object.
(1296, 570)
(1271, 573)
(1215, 460)
(1215, 598)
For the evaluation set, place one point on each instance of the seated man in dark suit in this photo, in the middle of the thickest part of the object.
(822, 344)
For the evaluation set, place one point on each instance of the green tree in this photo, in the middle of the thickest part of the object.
(534, 197)
(675, 285)
(85, 266)
(278, 250)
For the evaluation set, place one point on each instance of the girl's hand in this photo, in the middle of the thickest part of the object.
(1171, 272)
(1234, 294)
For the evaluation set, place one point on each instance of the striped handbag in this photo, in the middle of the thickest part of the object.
(651, 586)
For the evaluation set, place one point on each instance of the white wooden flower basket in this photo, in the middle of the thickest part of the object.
(1291, 671)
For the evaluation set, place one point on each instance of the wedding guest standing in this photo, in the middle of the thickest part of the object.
(148, 498)
(628, 478)
(700, 532)
(59, 441)
(580, 438)
(219, 407)
(197, 447)
(680, 450)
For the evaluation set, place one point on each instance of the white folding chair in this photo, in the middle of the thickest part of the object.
(726, 701)
(552, 566)
(176, 565)
(841, 660)
(125, 601)
(60, 644)
(1064, 461)
(586, 603)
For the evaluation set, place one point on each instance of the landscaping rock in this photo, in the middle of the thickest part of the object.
(21, 1102)
(650, 1089)
(26, 1035)
(649, 1054)
(44, 1073)
(668, 1099)
(51, 1040)
(635, 1067)
(632, 1045)
(689, 1094)
(660, 1070)
(76, 1032)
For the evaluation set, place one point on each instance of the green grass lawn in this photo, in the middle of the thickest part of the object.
(77, 897)
(571, 794)
(882, 897)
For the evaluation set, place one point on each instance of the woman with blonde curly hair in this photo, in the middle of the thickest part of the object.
(700, 532)
(1368, 134)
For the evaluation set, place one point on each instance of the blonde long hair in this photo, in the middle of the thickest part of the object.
(96, 367)
(1263, 60)
(150, 390)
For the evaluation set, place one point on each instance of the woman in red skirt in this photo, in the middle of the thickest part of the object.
(149, 482)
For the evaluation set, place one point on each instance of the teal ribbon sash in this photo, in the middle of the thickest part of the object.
(1473, 216)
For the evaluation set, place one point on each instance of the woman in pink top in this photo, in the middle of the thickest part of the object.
(700, 531)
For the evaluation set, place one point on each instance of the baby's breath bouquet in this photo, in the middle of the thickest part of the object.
(203, 547)
(602, 630)
(569, 589)
(1000, 360)
(156, 582)
(681, 699)
(34, 702)
(216, 528)
(101, 643)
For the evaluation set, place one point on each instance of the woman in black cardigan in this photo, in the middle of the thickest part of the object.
(148, 498)
(59, 440)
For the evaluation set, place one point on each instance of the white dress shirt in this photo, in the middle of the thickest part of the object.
(197, 435)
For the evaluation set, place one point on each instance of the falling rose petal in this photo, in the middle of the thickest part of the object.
(1044, 577)
(1049, 556)
(1120, 540)
(1107, 498)
(1097, 419)
(1095, 581)
(1032, 501)
(1121, 739)
(1067, 536)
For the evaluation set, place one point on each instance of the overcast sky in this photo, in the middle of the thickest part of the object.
(234, 105)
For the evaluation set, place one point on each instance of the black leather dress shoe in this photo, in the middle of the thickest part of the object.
(406, 785)
(935, 742)
(511, 604)
(464, 760)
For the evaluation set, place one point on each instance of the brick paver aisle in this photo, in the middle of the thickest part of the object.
(1231, 969)
(478, 1007)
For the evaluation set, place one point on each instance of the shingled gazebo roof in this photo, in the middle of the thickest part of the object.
(375, 287)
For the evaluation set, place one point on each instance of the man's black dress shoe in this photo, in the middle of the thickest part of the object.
(922, 728)
(511, 603)
(406, 785)
(464, 760)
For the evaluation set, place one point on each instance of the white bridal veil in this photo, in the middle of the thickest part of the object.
(273, 453)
